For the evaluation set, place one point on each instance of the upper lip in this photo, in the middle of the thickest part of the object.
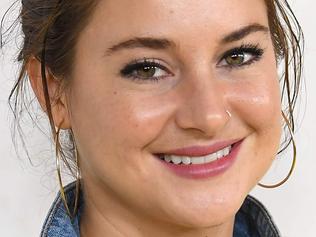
(198, 150)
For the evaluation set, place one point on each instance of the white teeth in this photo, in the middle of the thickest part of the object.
(210, 158)
(176, 159)
(226, 151)
(186, 160)
(220, 154)
(167, 158)
(197, 160)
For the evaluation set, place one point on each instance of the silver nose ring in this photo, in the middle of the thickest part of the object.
(229, 114)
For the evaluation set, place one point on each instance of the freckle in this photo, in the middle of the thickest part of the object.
(171, 11)
(115, 93)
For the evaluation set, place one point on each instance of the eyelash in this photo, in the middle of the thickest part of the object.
(255, 51)
(129, 70)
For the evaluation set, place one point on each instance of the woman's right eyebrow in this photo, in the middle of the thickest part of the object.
(142, 42)
(163, 43)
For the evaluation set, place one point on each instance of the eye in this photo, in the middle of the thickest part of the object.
(237, 58)
(148, 71)
(244, 55)
(145, 70)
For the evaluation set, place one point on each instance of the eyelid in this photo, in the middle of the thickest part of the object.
(138, 63)
(150, 61)
(253, 49)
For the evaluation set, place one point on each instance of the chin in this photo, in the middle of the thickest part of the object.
(206, 214)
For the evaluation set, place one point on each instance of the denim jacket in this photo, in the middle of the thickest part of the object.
(252, 220)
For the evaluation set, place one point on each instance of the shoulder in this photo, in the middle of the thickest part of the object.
(57, 222)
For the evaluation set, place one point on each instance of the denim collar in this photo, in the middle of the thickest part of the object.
(252, 220)
(58, 223)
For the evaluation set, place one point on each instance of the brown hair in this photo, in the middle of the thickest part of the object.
(51, 29)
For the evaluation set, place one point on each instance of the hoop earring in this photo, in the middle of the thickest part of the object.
(59, 176)
(293, 159)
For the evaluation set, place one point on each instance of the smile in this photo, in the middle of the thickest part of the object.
(187, 160)
(198, 162)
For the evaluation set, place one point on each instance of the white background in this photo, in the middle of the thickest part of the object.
(27, 191)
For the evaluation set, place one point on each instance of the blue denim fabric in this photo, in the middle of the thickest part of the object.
(58, 223)
(252, 220)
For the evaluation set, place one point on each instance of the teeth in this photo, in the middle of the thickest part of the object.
(176, 159)
(186, 160)
(220, 154)
(210, 158)
(197, 160)
(226, 151)
(167, 158)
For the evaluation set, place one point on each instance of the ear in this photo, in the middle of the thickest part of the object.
(57, 97)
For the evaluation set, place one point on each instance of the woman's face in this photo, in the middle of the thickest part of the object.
(158, 79)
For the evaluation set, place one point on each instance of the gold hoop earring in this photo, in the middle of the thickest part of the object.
(59, 176)
(293, 159)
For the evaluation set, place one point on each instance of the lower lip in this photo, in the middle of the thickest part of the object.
(202, 171)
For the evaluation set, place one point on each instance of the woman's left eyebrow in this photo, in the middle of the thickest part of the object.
(243, 32)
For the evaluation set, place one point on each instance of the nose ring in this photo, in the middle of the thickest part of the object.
(229, 114)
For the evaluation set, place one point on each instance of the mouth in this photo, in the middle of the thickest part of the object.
(196, 160)
(201, 162)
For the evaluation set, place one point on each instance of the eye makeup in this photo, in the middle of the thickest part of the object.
(145, 69)
(244, 55)
(150, 69)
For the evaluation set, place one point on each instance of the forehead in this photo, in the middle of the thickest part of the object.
(117, 19)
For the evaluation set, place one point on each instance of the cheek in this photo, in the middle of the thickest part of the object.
(115, 118)
(257, 101)
(139, 119)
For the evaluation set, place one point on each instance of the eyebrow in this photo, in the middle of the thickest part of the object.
(163, 43)
(142, 42)
(243, 32)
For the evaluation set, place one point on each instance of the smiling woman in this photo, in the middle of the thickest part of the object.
(174, 110)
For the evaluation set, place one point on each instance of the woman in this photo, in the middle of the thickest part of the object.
(173, 109)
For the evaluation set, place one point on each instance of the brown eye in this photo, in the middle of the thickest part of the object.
(146, 72)
(242, 56)
(235, 59)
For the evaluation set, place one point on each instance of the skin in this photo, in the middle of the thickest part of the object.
(119, 123)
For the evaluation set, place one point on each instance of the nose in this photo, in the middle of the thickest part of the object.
(203, 107)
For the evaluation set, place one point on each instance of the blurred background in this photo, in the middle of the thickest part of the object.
(29, 187)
